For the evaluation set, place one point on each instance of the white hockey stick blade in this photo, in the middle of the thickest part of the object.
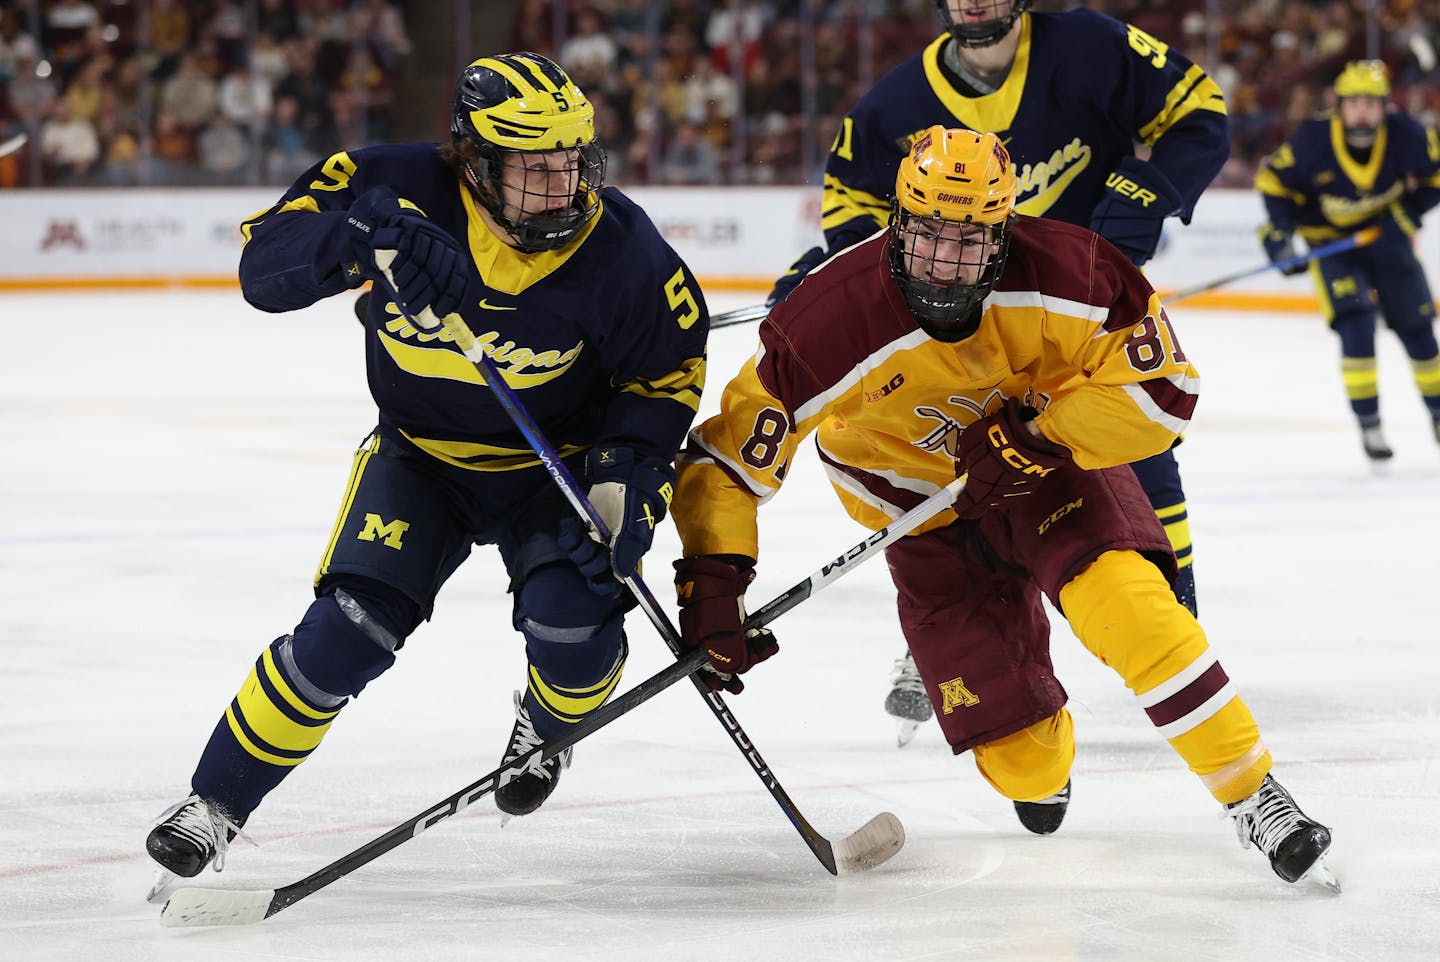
(13, 144)
(870, 845)
(197, 906)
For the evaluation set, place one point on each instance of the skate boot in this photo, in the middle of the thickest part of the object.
(907, 702)
(527, 791)
(1376, 447)
(1294, 843)
(1044, 816)
(187, 837)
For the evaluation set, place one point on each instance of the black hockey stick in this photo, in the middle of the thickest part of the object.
(873, 842)
(202, 906)
(1359, 239)
(190, 906)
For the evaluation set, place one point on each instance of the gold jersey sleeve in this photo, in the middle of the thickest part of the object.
(1074, 331)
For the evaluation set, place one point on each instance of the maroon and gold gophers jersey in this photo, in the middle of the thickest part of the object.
(1072, 329)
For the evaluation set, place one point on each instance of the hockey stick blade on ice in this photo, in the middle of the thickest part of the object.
(879, 838)
(202, 906)
(865, 848)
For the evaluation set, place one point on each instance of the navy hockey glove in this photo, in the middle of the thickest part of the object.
(712, 616)
(1004, 460)
(791, 279)
(589, 556)
(1280, 246)
(1133, 209)
(429, 269)
(631, 497)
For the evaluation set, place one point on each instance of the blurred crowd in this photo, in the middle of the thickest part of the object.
(184, 92)
(160, 92)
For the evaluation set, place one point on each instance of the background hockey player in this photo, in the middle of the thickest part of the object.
(1070, 94)
(1037, 361)
(585, 310)
(1362, 166)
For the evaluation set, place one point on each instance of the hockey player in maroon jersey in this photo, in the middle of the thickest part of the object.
(584, 309)
(1071, 94)
(1034, 359)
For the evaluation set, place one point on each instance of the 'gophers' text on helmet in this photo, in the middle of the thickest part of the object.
(950, 227)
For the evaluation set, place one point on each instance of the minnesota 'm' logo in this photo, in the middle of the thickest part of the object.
(390, 532)
(956, 695)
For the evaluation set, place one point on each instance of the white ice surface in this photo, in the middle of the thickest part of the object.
(171, 468)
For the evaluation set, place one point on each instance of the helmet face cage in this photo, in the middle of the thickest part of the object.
(528, 135)
(945, 270)
(1362, 78)
(950, 227)
(983, 33)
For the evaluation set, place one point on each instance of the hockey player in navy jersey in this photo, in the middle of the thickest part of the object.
(1069, 94)
(1363, 166)
(587, 313)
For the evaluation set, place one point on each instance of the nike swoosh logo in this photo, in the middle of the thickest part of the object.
(495, 307)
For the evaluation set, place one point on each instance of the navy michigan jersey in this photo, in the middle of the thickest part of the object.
(1317, 185)
(1082, 89)
(604, 339)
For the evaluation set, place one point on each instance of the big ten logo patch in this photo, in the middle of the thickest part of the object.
(1045, 525)
(885, 390)
(956, 695)
(390, 532)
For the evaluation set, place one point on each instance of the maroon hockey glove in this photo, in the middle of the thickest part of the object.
(1004, 460)
(712, 617)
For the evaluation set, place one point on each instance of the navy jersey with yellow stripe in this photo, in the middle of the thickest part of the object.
(1317, 185)
(1082, 89)
(604, 339)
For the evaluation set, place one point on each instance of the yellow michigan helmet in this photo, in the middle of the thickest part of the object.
(524, 103)
(1363, 78)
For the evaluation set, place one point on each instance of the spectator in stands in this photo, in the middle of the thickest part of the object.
(690, 160)
(172, 152)
(589, 54)
(31, 92)
(167, 35)
(69, 145)
(223, 149)
(244, 97)
(383, 28)
(190, 95)
(15, 45)
(287, 154)
(72, 33)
